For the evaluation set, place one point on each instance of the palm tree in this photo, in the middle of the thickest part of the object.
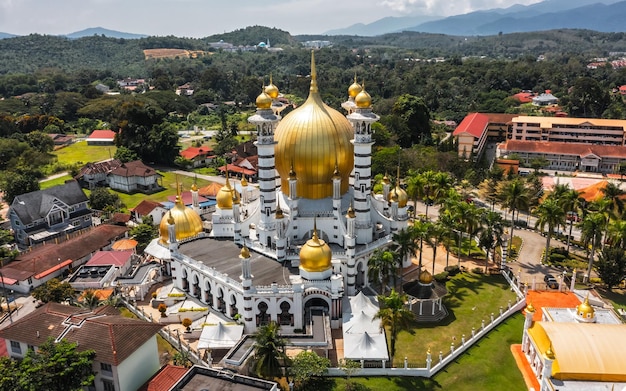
(487, 190)
(89, 299)
(591, 228)
(394, 316)
(381, 265)
(421, 230)
(549, 213)
(490, 233)
(442, 181)
(617, 233)
(404, 246)
(446, 222)
(414, 185)
(428, 189)
(572, 202)
(469, 219)
(515, 196)
(269, 350)
(615, 194)
(604, 207)
(436, 235)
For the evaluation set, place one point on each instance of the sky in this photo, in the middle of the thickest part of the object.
(201, 18)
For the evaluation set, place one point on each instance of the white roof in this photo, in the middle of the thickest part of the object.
(220, 336)
(365, 346)
(157, 250)
(360, 302)
(361, 322)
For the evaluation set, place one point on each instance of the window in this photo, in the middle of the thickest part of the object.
(107, 370)
(16, 347)
(108, 385)
(30, 347)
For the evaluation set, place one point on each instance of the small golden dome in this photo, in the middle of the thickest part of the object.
(363, 100)
(354, 89)
(399, 195)
(186, 221)
(225, 196)
(425, 277)
(245, 253)
(279, 212)
(263, 101)
(392, 197)
(244, 181)
(386, 179)
(271, 90)
(350, 213)
(550, 353)
(530, 307)
(585, 310)
(194, 187)
(315, 255)
(336, 174)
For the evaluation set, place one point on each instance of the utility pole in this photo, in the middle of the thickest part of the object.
(6, 298)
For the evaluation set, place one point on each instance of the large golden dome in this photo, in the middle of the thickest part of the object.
(313, 138)
(425, 277)
(398, 194)
(225, 196)
(186, 221)
(315, 255)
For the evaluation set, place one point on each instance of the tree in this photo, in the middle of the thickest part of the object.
(89, 299)
(394, 316)
(144, 233)
(56, 366)
(617, 233)
(514, 196)
(549, 213)
(414, 124)
(572, 202)
(491, 233)
(306, 365)
(350, 367)
(588, 98)
(381, 265)
(437, 233)
(54, 291)
(40, 141)
(102, 199)
(269, 350)
(611, 266)
(591, 229)
(14, 184)
(404, 245)
(125, 155)
(615, 195)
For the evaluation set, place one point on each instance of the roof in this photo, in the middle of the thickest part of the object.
(185, 196)
(500, 118)
(210, 190)
(193, 152)
(112, 336)
(47, 256)
(35, 205)
(102, 134)
(198, 378)
(549, 122)
(115, 258)
(576, 149)
(164, 379)
(135, 168)
(524, 97)
(145, 207)
(104, 166)
(53, 269)
(237, 169)
(246, 149)
(584, 351)
(474, 124)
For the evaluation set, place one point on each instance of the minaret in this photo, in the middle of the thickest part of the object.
(281, 238)
(195, 203)
(362, 119)
(529, 312)
(386, 188)
(265, 121)
(336, 192)
(293, 193)
(237, 217)
(171, 233)
(350, 246)
(246, 282)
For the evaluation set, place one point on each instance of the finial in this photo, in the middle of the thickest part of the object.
(227, 178)
(270, 80)
(315, 237)
(177, 186)
(313, 73)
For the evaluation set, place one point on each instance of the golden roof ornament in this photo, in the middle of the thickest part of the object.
(244, 181)
(354, 89)
(530, 307)
(263, 101)
(244, 253)
(550, 353)
(363, 100)
(271, 90)
(315, 255)
(351, 213)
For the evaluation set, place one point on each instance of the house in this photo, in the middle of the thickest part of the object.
(199, 378)
(132, 177)
(130, 84)
(126, 349)
(476, 128)
(44, 215)
(569, 130)
(154, 209)
(199, 156)
(35, 267)
(545, 99)
(185, 90)
(101, 137)
(61, 139)
(92, 175)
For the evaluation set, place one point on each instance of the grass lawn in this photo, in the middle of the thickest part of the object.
(617, 297)
(81, 152)
(54, 182)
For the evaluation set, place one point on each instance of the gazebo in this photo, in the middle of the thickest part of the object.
(426, 295)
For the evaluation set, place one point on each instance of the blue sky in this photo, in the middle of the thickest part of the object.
(201, 18)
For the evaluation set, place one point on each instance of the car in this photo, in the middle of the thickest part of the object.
(550, 281)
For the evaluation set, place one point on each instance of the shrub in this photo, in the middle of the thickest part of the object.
(186, 323)
(478, 270)
(175, 295)
(154, 295)
(521, 223)
(557, 257)
(162, 308)
(452, 270)
(441, 277)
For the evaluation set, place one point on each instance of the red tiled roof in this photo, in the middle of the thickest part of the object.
(210, 190)
(145, 207)
(500, 118)
(474, 124)
(163, 380)
(193, 152)
(186, 197)
(136, 168)
(53, 269)
(564, 148)
(540, 299)
(102, 134)
(116, 258)
(239, 170)
(120, 217)
(524, 97)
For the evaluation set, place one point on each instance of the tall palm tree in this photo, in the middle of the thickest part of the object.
(515, 196)
(414, 185)
(615, 194)
(442, 181)
(549, 213)
(488, 191)
(436, 235)
(405, 246)
(592, 228)
(446, 222)
(572, 203)
(604, 207)
(269, 350)
(381, 265)
(394, 316)
(428, 189)
(469, 219)
(490, 233)
(421, 231)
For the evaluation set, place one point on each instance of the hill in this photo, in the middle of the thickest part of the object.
(103, 32)
(6, 35)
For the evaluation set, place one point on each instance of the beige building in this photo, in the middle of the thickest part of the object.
(569, 130)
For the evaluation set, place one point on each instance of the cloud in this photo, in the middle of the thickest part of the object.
(450, 7)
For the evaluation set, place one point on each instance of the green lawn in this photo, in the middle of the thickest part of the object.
(81, 152)
(54, 182)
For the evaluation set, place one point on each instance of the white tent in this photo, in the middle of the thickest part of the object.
(360, 302)
(158, 251)
(359, 323)
(365, 346)
(220, 336)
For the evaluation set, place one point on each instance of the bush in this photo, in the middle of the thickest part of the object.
(557, 257)
(478, 270)
(162, 308)
(452, 270)
(441, 277)
(186, 323)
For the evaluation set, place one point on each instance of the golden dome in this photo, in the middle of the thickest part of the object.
(225, 196)
(279, 212)
(351, 213)
(530, 307)
(315, 255)
(186, 221)
(354, 89)
(194, 187)
(585, 310)
(271, 90)
(425, 277)
(400, 195)
(363, 100)
(263, 101)
(312, 138)
(245, 253)
(244, 181)
(550, 353)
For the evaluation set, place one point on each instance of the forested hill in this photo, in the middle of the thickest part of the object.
(28, 54)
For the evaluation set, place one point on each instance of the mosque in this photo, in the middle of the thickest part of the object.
(304, 242)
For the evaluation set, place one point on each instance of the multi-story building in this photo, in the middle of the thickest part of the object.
(569, 130)
(476, 128)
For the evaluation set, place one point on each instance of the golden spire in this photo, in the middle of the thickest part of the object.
(336, 174)
(313, 88)
(244, 253)
(550, 353)
(315, 237)
(170, 219)
(227, 178)
(530, 307)
(194, 187)
(351, 213)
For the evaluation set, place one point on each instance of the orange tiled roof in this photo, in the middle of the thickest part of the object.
(107, 134)
(193, 152)
(145, 207)
(163, 380)
(474, 124)
(564, 148)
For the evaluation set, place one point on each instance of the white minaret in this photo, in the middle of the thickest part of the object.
(362, 119)
(350, 246)
(265, 121)
(195, 202)
(246, 282)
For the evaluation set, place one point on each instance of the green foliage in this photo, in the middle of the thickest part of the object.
(53, 291)
(40, 141)
(611, 266)
(125, 155)
(306, 365)
(144, 233)
(414, 124)
(102, 199)
(14, 184)
(269, 350)
(394, 316)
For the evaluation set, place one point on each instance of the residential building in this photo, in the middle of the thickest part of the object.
(61, 139)
(44, 215)
(545, 99)
(476, 128)
(133, 177)
(154, 209)
(101, 137)
(569, 130)
(199, 156)
(126, 349)
(201, 378)
(92, 175)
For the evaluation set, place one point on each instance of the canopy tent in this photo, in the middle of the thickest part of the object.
(124, 244)
(360, 302)
(359, 323)
(158, 251)
(365, 346)
(220, 336)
